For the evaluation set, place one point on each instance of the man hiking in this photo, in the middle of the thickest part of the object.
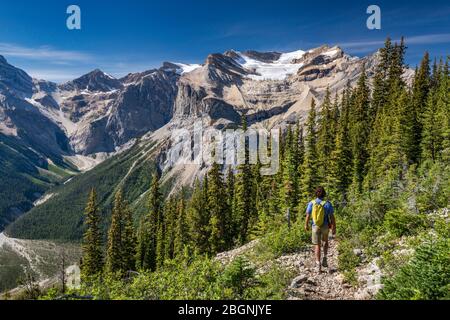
(320, 214)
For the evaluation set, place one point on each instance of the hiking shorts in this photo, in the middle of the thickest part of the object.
(320, 234)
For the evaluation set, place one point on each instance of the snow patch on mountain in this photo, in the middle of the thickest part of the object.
(277, 70)
(186, 68)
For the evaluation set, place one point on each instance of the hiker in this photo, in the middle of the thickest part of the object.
(320, 214)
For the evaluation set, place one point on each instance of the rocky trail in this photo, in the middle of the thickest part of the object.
(311, 285)
(308, 284)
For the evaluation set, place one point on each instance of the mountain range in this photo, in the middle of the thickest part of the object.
(59, 140)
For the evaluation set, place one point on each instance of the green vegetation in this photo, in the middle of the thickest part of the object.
(10, 268)
(47, 220)
(26, 176)
(427, 274)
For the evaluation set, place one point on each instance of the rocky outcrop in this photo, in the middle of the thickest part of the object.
(17, 82)
(96, 80)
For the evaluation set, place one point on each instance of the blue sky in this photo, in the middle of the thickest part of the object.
(135, 35)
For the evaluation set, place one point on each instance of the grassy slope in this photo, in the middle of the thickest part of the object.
(61, 217)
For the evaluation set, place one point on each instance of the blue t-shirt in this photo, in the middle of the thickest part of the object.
(329, 211)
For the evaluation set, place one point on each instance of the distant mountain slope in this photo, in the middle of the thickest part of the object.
(61, 217)
(25, 176)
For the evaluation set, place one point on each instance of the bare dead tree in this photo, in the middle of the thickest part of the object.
(62, 257)
(30, 285)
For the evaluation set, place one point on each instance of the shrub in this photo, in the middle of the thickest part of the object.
(401, 223)
(426, 276)
(348, 261)
(285, 240)
(238, 277)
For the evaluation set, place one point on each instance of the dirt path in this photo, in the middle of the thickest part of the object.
(311, 285)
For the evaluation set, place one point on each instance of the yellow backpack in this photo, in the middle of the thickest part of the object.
(318, 213)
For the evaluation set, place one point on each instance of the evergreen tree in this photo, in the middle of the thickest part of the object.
(385, 143)
(436, 118)
(325, 139)
(243, 209)
(380, 93)
(231, 227)
(120, 237)
(181, 229)
(413, 132)
(129, 240)
(359, 130)
(290, 171)
(92, 259)
(309, 172)
(147, 233)
(198, 219)
(218, 210)
(170, 222)
(341, 158)
(160, 240)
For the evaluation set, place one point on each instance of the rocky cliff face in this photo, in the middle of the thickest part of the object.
(271, 89)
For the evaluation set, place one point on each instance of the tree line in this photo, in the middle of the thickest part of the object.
(357, 139)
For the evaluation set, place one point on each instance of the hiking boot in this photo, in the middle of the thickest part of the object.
(318, 267)
(325, 262)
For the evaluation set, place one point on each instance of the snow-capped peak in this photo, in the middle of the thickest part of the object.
(279, 69)
(185, 68)
(290, 56)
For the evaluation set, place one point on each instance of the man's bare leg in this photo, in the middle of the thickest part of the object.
(325, 254)
(317, 254)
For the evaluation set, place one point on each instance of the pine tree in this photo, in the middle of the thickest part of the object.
(386, 146)
(243, 209)
(129, 240)
(436, 117)
(359, 130)
(117, 258)
(309, 174)
(92, 260)
(380, 93)
(443, 103)
(147, 233)
(170, 221)
(231, 227)
(413, 132)
(217, 208)
(198, 219)
(181, 229)
(390, 156)
(325, 139)
(290, 172)
(341, 162)
(160, 239)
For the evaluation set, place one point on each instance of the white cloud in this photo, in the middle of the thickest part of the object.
(45, 53)
(58, 76)
(364, 46)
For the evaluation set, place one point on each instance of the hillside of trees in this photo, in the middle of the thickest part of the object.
(46, 220)
(19, 191)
